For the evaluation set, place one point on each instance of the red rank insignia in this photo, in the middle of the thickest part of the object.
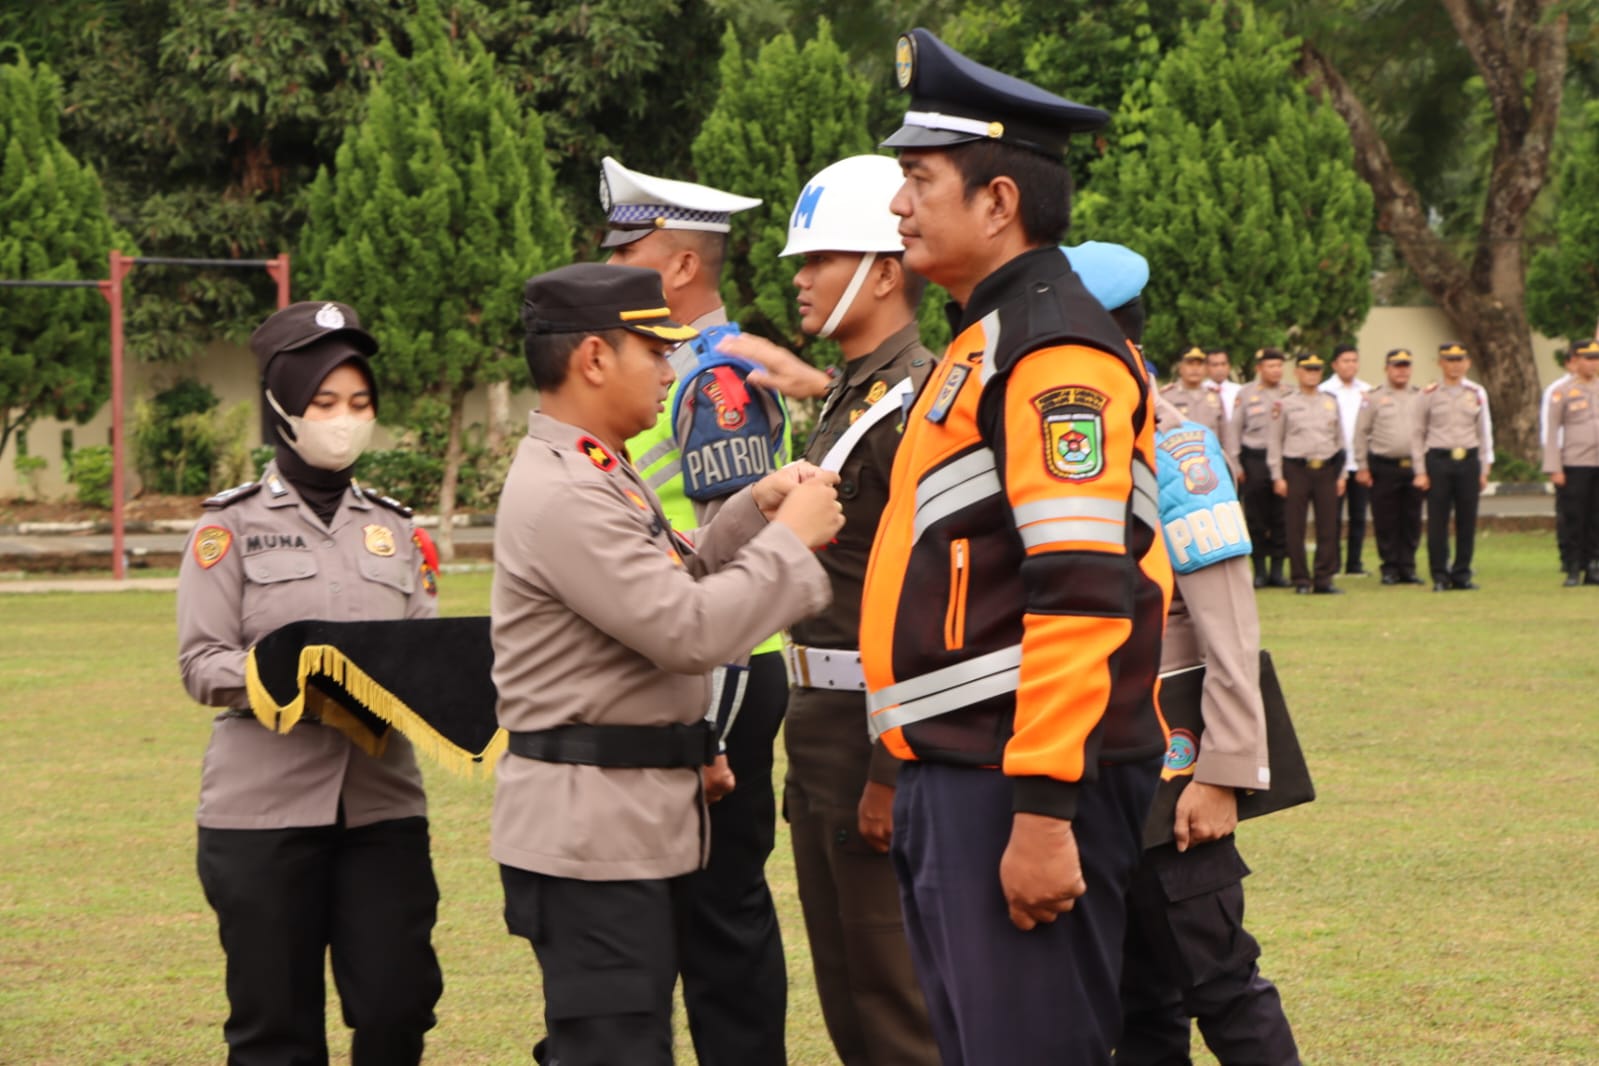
(596, 453)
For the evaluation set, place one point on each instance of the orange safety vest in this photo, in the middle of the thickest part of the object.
(1018, 585)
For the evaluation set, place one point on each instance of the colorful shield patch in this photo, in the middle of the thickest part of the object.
(1073, 426)
(379, 540)
(210, 545)
(1181, 754)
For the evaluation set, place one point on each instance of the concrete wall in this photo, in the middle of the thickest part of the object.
(230, 371)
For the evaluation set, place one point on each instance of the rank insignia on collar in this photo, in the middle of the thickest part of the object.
(1073, 427)
(855, 416)
(596, 453)
(275, 486)
(211, 544)
(877, 392)
(379, 540)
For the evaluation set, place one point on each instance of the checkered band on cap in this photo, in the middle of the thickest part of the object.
(632, 214)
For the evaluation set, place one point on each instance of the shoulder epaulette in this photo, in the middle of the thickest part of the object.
(392, 504)
(233, 495)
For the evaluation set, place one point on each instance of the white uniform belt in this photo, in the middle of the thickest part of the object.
(941, 691)
(834, 668)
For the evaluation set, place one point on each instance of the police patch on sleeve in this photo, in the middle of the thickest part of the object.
(210, 545)
(1072, 421)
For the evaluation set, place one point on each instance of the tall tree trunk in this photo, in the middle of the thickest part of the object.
(452, 478)
(499, 396)
(1521, 51)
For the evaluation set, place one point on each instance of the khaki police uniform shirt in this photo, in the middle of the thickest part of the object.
(1385, 424)
(260, 560)
(1304, 426)
(602, 615)
(1452, 416)
(1251, 422)
(1204, 406)
(1571, 435)
(1213, 621)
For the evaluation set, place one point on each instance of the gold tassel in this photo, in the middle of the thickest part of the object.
(324, 660)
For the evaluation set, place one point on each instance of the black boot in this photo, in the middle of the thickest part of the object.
(1593, 574)
(1260, 571)
(1276, 580)
(1573, 579)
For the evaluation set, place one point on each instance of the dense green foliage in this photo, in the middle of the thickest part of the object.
(1563, 280)
(54, 359)
(779, 118)
(1241, 192)
(440, 204)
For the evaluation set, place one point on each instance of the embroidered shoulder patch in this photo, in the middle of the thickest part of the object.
(596, 453)
(1072, 422)
(211, 544)
(429, 565)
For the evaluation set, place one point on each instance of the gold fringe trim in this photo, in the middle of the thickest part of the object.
(324, 660)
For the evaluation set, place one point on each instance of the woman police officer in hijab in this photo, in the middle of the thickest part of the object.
(308, 843)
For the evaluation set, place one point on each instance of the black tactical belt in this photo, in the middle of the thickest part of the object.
(1335, 459)
(1251, 453)
(1403, 464)
(636, 747)
(1452, 453)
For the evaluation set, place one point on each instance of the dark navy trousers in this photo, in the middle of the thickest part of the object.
(997, 996)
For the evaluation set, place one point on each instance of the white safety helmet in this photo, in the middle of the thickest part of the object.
(844, 208)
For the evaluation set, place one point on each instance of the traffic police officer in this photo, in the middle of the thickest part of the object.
(1453, 449)
(1383, 428)
(1263, 508)
(1011, 622)
(605, 624)
(1192, 397)
(1571, 459)
(1306, 455)
(735, 982)
(286, 818)
(840, 787)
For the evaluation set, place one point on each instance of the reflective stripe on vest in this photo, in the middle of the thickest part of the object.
(941, 691)
(1200, 515)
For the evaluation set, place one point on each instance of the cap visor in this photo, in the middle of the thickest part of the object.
(617, 237)
(922, 137)
(666, 331)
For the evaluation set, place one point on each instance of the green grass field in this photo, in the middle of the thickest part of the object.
(1437, 904)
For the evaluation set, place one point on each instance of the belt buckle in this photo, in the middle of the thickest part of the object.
(1404, 464)
(1457, 453)
(801, 663)
(1315, 464)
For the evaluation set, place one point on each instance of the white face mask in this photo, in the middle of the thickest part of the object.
(327, 444)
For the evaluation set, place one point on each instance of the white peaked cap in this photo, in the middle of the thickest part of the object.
(638, 204)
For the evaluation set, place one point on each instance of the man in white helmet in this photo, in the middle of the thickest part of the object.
(853, 288)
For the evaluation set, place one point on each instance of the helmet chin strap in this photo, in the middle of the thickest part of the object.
(850, 292)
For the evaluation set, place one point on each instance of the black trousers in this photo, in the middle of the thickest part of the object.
(606, 950)
(1263, 508)
(1577, 516)
(1188, 956)
(1319, 489)
(730, 950)
(994, 993)
(284, 898)
(1395, 514)
(1352, 516)
(1455, 486)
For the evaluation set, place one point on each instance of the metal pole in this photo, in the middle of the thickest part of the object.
(112, 290)
(279, 269)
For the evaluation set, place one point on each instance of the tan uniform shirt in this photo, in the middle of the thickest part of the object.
(1385, 424)
(1204, 406)
(1452, 416)
(601, 616)
(1251, 423)
(272, 562)
(1213, 621)
(1571, 436)
(1304, 426)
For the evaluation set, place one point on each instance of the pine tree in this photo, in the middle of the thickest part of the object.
(778, 119)
(439, 206)
(1241, 191)
(54, 358)
(1563, 281)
